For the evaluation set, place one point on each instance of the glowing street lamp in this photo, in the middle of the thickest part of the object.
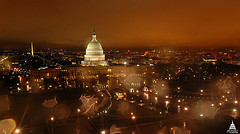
(133, 117)
(17, 131)
(235, 101)
(103, 132)
(234, 110)
(179, 108)
(52, 118)
(186, 108)
(78, 110)
(166, 102)
(201, 115)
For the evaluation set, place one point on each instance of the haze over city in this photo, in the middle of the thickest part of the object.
(120, 23)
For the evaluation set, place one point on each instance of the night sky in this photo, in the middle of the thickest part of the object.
(119, 23)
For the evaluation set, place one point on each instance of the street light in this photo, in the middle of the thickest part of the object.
(186, 108)
(201, 115)
(52, 118)
(103, 132)
(17, 131)
(133, 117)
(78, 111)
(167, 102)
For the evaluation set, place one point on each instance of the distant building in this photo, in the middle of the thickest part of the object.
(210, 60)
(94, 53)
(102, 74)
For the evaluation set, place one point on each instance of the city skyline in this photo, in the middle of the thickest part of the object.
(125, 67)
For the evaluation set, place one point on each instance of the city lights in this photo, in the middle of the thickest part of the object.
(17, 131)
(103, 132)
(52, 118)
(167, 102)
(133, 117)
(174, 71)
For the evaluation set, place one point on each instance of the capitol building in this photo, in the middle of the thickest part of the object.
(94, 67)
(94, 53)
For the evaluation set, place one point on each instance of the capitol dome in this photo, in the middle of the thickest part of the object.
(94, 47)
(94, 53)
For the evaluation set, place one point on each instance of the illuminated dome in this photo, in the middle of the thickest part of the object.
(232, 126)
(94, 47)
(94, 53)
